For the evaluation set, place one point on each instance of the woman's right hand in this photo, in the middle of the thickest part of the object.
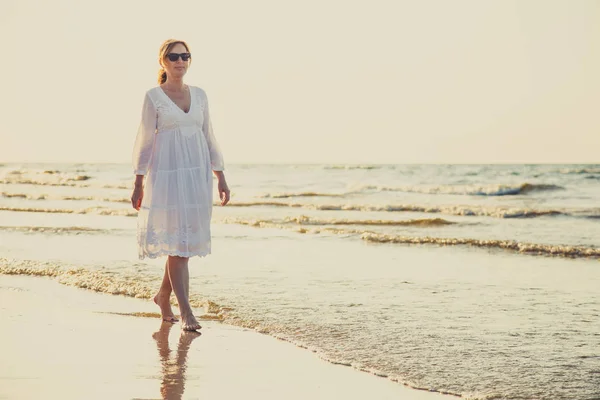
(137, 196)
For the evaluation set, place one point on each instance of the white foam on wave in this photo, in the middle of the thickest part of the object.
(469, 190)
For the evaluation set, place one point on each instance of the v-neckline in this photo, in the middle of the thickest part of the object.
(175, 104)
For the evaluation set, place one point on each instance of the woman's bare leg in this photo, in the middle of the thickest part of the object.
(163, 297)
(180, 282)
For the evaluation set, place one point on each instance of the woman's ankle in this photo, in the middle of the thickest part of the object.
(187, 312)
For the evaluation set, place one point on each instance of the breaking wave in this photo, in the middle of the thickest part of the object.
(305, 220)
(27, 181)
(459, 210)
(74, 230)
(44, 178)
(56, 178)
(510, 245)
(70, 198)
(471, 190)
(122, 186)
(91, 210)
(350, 166)
(103, 282)
(301, 194)
(579, 171)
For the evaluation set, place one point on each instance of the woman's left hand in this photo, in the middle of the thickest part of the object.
(223, 191)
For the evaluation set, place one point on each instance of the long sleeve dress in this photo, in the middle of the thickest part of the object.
(177, 151)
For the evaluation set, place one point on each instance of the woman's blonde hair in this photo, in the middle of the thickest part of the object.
(165, 49)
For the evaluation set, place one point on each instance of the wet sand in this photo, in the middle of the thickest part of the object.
(62, 342)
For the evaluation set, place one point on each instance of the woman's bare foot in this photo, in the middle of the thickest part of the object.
(165, 308)
(189, 322)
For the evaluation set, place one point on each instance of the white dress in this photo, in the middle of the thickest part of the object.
(177, 151)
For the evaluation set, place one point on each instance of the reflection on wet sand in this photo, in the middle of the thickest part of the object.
(173, 370)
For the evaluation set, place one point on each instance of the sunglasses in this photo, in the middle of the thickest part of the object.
(175, 56)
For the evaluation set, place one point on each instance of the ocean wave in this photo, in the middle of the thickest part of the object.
(102, 281)
(91, 210)
(23, 196)
(122, 186)
(261, 223)
(72, 182)
(27, 181)
(305, 220)
(39, 210)
(264, 204)
(510, 245)
(351, 166)
(579, 171)
(470, 190)
(68, 198)
(76, 230)
(50, 177)
(92, 198)
(459, 210)
(301, 194)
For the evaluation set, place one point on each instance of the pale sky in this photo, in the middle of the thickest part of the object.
(312, 81)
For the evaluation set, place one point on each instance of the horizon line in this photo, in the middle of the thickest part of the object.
(326, 163)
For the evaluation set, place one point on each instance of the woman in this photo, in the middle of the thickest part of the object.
(176, 150)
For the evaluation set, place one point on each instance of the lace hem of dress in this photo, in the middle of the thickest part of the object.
(164, 243)
(144, 254)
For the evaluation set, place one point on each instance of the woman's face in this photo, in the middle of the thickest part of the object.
(178, 68)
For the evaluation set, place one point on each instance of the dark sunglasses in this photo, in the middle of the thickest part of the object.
(175, 56)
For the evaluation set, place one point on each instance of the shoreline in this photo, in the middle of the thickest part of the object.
(65, 342)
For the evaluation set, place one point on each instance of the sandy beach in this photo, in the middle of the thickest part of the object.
(62, 342)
